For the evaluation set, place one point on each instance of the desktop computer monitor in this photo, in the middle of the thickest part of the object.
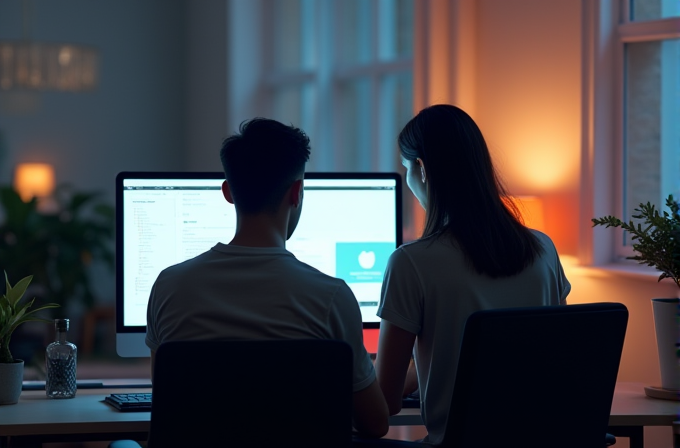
(350, 225)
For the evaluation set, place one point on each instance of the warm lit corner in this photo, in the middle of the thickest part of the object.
(531, 209)
(34, 180)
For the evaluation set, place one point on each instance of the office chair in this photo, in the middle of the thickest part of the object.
(535, 377)
(549, 374)
(254, 394)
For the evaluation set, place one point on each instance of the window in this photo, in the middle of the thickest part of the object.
(651, 106)
(342, 71)
(631, 111)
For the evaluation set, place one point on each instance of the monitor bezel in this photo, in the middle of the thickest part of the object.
(122, 176)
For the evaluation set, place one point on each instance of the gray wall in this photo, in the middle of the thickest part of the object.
(135, 120)
(206, 85)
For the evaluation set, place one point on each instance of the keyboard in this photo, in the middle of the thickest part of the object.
(131, 402)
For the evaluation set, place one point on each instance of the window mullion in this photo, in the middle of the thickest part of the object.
(649, 30)
(387, 23)
(370, 161)
(323, 114)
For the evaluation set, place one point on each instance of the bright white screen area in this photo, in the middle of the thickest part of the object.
(348, 229)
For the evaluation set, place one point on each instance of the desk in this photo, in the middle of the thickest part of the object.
(632, 410)
(85, 417)
(37, 418)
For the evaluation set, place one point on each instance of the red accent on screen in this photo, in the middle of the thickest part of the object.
(371, 339)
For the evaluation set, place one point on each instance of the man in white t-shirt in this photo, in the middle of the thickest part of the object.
(253, 288)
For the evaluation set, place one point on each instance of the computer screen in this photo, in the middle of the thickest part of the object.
(350, 225)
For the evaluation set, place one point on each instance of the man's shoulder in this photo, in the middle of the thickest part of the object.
(310, 274)
(188, 264)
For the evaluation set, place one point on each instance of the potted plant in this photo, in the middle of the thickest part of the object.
(12, 314)
(656, 241)
(57, 247)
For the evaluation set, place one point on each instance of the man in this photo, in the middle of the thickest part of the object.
(253, 288)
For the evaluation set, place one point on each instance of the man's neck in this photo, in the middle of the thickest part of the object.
(259, 231)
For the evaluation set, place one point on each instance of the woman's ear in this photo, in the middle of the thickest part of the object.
(423, 175)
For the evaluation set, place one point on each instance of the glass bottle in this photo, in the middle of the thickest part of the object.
(60, 363)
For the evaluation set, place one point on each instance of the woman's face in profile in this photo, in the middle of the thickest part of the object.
(416, 180)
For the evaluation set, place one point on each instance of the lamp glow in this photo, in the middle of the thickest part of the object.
(34, 180)
(531, 210)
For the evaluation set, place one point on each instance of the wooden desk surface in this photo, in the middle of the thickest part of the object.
(631, 407)
(35, 414)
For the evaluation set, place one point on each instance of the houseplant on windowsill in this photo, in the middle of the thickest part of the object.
(656, 242)
(12, 314)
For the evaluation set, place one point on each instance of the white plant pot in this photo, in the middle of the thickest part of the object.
(667, 326)
(11, 379)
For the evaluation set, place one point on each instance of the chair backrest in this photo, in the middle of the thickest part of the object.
(258, 394)
(537, 377)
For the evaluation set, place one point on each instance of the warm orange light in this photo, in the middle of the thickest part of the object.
(34, 180)
(531, 209)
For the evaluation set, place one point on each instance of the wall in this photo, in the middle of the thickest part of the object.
(528, 103)
(134, 120)
(206, 87)
(639, 362)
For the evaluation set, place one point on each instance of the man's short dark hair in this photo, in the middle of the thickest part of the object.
(262, 161)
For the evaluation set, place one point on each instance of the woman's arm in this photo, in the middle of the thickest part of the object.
(411, 383)
(392, 363)
(369, 412)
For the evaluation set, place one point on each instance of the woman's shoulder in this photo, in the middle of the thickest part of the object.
(544, 239)
(431, 247)
(416, 245)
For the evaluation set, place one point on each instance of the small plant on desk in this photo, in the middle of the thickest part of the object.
(13, 313)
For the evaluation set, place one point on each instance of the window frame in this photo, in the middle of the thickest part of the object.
(628, 31)
(607, 28)
(326, 77)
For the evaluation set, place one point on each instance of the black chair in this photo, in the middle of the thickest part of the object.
(284, 393)
(535, 377)
(547, 374)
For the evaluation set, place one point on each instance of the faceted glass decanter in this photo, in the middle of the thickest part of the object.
(60, 363)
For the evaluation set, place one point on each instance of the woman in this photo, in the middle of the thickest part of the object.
(474, 254)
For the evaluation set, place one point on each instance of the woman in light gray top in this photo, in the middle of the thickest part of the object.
(474, 254)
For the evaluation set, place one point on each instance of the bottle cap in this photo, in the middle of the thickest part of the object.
(61, 324)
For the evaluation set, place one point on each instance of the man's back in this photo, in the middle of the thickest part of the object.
(236, 292)
(253, 288)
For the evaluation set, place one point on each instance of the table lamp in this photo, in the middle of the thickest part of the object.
(34, 180)
(531, 208)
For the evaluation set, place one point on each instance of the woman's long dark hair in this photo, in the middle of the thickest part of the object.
(465, 197)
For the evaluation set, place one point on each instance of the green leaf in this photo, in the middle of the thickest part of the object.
(12, 314)
(17, 292)
(656, 240)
